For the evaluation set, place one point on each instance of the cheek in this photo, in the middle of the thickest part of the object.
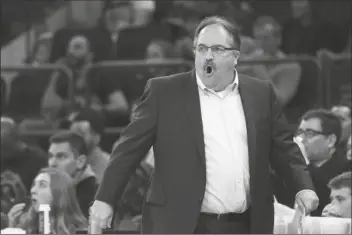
(68, 166)
(45, 196)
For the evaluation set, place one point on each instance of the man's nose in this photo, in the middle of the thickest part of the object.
(52, 162)
(209, 54)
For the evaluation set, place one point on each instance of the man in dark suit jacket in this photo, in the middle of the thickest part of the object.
(214, 134)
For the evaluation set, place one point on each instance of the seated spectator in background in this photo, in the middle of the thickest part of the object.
(41, 51)
(304, 35)
(90, 125)
(319, 134)
(285, 77)
(158, 51)
(344, 113)
(340, 196)
(55, 188)
(20, 163)
(68, 152)
(113, 40)
(78, 58)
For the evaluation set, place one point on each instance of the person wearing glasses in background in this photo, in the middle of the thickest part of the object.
(214, 133)
(319, 134)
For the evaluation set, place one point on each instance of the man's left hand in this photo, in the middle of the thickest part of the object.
(308, 200)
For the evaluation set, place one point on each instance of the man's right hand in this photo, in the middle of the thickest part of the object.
(102, 213)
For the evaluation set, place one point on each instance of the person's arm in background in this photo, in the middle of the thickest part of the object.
(285, 79)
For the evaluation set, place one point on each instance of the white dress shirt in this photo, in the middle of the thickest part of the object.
(226, 150)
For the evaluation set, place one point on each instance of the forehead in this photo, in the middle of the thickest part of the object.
(78, 40)
(42, 177)
(264, 31)
(63, 147)
(344, 192)
(80, 124)
(214, 34)
(311, 123)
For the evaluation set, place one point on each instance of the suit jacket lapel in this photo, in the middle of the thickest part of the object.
(193, 111)
(247, 96)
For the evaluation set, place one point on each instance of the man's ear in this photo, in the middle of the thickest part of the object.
(332, 140)
(237, 56)
(81, 161)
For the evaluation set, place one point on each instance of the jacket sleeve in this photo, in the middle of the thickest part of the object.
(135, 141)
(286, 157)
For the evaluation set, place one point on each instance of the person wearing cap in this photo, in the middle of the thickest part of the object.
(90, 124)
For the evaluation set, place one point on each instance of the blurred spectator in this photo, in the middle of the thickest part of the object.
(77, 59)
(68, 152)
(18, 88)
(3, 95)
(90, 125)
(302, 34)
(340, 196)
(143, 12)
(348, 149)
(41, 51)
(285, 77)
(158, 51)
(19, 159)
(55, 188)
(344, 113)
(4, 221)
(117, 16)
(319, 133)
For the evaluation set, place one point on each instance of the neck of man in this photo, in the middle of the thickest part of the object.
(230, 77)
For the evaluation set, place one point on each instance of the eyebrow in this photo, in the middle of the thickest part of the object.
(42, 181)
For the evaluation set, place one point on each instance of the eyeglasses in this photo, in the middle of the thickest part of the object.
(218, 50)
(309, 133)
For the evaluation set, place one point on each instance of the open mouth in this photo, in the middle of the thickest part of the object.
(209, 70)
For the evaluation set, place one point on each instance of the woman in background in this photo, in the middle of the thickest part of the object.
(53, 187)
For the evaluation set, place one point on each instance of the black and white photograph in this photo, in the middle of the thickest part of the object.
(176, 117)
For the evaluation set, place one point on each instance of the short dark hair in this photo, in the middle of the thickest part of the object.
(94, 118)
(330, 123)
(341, 181)
(75, 140)
(232, 29)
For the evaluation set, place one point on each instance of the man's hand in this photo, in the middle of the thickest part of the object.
(102, 213)
(308, 200)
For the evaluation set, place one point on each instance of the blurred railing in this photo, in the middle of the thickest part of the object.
(35, 80)
(325, 81)
(336, 74)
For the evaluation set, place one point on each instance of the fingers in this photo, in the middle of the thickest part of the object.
(16, 209)
(109, 221)
(103, 222)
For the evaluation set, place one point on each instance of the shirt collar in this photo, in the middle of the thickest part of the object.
(230, 88)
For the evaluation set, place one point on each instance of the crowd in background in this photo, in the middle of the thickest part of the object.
(154, 34)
